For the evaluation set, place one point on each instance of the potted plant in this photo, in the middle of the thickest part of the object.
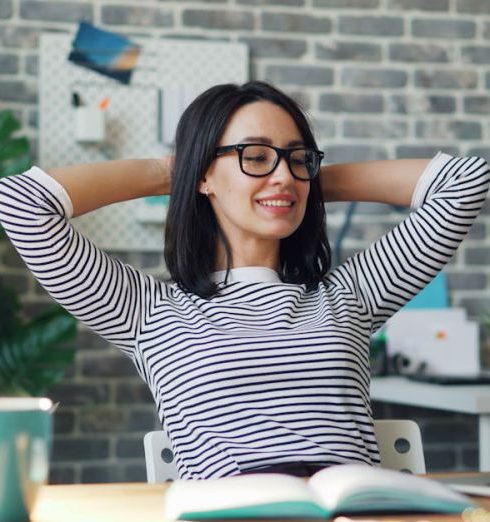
(33, 353)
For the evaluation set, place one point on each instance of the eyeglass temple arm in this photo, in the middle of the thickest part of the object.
(223, 150)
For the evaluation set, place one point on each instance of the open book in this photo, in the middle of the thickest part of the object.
(346, 489)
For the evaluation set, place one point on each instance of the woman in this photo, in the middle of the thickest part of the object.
(256, 354)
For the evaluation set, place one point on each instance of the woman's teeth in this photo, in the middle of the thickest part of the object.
(276, 203)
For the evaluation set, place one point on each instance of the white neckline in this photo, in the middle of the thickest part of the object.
(247, 274)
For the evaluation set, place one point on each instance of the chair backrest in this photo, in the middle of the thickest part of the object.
(400, 445)
(399, 441)
(159, 457)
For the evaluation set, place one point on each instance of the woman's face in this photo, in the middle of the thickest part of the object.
(249, 208)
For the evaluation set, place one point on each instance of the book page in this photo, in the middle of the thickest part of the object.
(233, 495)
(350, 486)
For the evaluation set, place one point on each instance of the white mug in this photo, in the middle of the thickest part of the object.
(89, 124)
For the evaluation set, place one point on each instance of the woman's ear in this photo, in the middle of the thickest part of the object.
(203, 187)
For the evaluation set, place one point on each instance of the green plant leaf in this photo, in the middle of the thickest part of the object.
(36, 357)
(14, 152)
(484, 320)
(8, 124)
(13, 148)
(15, 166)
(9, 312)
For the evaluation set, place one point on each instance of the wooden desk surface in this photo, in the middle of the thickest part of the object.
(140, 502)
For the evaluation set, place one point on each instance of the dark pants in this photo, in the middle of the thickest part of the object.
(298, 469)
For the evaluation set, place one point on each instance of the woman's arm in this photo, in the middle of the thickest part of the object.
(95, 185)
(107, 295)
(389, 181)
(393, 269)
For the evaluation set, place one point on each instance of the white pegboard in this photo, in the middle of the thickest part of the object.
(134, 127)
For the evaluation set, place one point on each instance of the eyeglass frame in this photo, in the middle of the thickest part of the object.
(280, 153)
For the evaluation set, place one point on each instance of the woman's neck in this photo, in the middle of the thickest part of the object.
(252, 254)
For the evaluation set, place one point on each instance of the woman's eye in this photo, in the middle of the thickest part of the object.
(255, 159)
(298, 161)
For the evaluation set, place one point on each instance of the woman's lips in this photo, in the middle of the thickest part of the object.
(276, 206)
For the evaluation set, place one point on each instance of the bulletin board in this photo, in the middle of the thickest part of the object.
(140, 120)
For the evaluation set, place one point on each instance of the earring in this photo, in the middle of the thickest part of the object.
(206, 191)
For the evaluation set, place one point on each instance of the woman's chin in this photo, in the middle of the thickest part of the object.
(280, 232)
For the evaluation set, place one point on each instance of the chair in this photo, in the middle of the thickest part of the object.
(159, 457)
(399, 441)
(400, 445)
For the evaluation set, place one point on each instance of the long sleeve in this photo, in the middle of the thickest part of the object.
(445, 204)
(97, 289)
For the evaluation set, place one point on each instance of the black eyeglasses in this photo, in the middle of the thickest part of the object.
(258, 160)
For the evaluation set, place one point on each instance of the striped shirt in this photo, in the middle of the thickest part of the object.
(263, 373)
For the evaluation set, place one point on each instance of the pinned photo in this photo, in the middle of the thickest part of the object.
(105, 52)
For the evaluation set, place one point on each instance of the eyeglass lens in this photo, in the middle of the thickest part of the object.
(259, 160)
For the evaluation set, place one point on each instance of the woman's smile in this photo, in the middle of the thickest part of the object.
(278, 205)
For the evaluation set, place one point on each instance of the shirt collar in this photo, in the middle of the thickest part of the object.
(247, 274)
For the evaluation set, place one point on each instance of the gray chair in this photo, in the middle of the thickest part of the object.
(400, 445)
(399, 441)
(159, 457)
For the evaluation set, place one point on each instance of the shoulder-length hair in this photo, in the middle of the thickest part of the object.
(192, 230)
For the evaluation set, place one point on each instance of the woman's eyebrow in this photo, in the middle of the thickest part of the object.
(295, 143)
(268, 141)
(257, 139)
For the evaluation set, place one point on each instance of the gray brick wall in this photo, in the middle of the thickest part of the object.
(380, 79)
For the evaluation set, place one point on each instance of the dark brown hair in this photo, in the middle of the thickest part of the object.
(192, 230)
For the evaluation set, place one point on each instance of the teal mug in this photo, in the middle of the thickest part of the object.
(25, 443)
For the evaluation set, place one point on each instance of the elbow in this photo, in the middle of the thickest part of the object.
(481, 171)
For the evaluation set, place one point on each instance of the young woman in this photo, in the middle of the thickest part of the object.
(257, 354)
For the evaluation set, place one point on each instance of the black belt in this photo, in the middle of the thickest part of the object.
(298, 469)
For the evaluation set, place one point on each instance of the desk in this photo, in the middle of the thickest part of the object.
(139, 503)
(473, 399)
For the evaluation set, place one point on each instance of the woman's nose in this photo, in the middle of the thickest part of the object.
(281, 173)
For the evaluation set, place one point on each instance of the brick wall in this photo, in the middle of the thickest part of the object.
(380, 78)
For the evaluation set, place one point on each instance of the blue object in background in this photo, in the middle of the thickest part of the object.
(157, 200)
(105, 52)
(434, 295)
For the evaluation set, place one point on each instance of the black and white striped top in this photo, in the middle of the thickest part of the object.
(263, 373)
